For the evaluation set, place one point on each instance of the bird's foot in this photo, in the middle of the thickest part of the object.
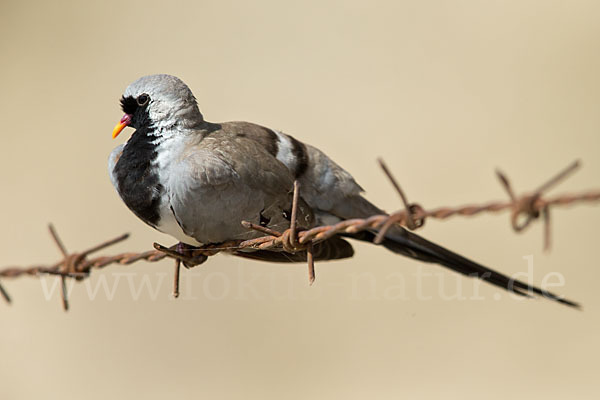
(190, 256)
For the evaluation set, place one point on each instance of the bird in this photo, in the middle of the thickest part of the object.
(197, 180)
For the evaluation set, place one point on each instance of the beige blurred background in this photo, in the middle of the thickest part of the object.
(445, 91)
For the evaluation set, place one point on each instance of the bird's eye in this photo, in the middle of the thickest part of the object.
(143, 99)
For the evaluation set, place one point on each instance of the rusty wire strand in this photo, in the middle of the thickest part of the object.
(294, 214)
(79, 266)
(410, 222)
(310, 260)
(176, 278)
(63, 278)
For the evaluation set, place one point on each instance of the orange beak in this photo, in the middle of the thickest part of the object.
(126, 120)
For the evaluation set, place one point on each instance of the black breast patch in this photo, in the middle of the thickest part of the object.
(137, 180)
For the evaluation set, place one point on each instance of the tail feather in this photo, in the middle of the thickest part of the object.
(409, 244)
(402, 241)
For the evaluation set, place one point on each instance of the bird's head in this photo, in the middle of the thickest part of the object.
(161, 102)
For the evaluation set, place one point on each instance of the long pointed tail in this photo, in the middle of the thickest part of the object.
(404, 242)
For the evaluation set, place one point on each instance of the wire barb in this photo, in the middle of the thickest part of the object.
(176, 278)
(63, 279)
(410, 222)
(532, 206)
(293, 221)
(559, 177)
(289, 238)
(260, 228)
(311, 263)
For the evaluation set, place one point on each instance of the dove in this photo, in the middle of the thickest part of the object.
(197, 180)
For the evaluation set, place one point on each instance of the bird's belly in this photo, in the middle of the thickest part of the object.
(169, 225)
(213, 216)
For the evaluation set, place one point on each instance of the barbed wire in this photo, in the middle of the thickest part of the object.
(524, 209)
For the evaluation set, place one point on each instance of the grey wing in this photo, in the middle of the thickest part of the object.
(329, 190)
(223, 180)
(332, 190)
